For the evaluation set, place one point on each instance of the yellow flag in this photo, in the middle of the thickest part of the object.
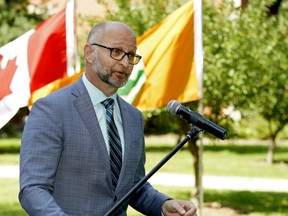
(53, 86)
(168, 53)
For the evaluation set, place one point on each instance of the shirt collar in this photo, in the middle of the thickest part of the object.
(96, 95)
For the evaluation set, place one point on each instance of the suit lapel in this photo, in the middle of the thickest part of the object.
(86, 110)
(125, 115)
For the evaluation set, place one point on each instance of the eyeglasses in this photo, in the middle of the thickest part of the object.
(118, 54)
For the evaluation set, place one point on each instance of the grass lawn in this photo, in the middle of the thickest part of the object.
(9, 205)
(9, 151)
(223, 160)
(245, 202)
(218, 159)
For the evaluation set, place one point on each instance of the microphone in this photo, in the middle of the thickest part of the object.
(175, 108)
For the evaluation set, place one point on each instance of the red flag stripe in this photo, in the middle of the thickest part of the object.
(47, 51)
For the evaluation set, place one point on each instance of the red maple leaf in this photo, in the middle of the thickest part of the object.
(6, 77)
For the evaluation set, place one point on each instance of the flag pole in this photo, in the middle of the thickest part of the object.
(198, 41)
(73, 60)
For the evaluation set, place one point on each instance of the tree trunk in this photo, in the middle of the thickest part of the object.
(273, 135)
(244, 3)
(270, 153)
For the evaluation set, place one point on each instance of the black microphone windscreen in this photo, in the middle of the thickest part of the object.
(173, 106)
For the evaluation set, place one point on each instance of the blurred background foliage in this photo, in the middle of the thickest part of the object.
(245, 61)
(16, 19)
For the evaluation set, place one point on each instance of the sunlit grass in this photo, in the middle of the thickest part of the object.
(220, 159)
(243, 202)
(227, 160)
(9, 205)
(232, 160)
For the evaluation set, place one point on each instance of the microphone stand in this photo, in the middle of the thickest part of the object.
(190, 134)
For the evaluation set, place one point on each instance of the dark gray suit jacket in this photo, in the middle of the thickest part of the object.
(64, 163)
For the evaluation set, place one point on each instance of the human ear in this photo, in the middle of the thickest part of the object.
(89, 53)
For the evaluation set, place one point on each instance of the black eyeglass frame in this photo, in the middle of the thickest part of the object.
(129, 55)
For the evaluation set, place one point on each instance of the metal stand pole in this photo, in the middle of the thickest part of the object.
(190, 134)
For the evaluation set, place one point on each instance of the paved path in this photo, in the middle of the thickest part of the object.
(9, 171)
(222, 182)
(186, 180)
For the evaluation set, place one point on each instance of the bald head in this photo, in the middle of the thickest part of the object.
(100, 30)
(110, 52)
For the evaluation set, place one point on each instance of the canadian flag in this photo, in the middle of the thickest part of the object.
(35, 59)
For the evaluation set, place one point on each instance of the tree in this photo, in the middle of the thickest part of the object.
(223, 86)
(269, 58)
(142, 16)
(245, 63)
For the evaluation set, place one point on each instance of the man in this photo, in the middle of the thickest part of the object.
(79, 157)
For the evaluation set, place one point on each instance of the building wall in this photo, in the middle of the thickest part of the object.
(84, 7)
